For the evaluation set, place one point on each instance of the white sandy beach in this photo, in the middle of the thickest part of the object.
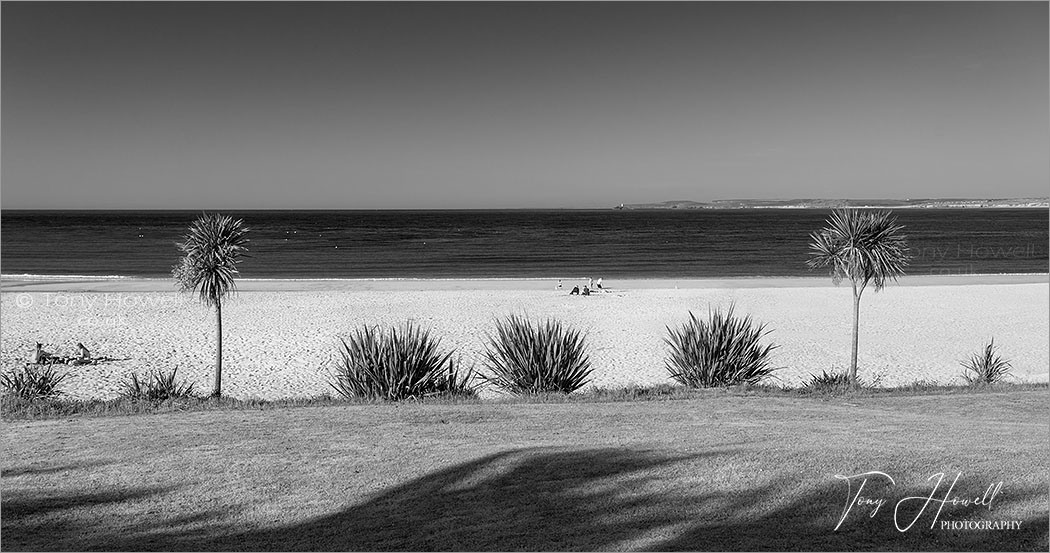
(281, 335)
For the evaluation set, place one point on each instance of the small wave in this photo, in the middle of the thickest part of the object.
(70, 277)
(28, 276)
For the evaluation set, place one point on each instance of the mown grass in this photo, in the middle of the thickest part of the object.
(738, 469)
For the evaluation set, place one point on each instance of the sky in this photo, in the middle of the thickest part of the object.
(337, 105)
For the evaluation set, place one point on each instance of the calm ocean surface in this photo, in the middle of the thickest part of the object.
(512, 244)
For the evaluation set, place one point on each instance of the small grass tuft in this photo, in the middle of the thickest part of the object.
(458, 383)
(722, 351)
(635, 392)
(986, 367)
(32, 382)
(533, 359)
(157, 386)
(921, 385)
(828, 383)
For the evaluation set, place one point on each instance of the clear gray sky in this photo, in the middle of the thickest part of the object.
(489, 105)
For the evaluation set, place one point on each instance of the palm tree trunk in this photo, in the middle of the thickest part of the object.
(217, 391)
(856, 334)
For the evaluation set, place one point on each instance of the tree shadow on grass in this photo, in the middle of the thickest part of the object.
(818, 519)
(37, 470)
(543, 499)
(531, 499)
(48, 521)
(566, 499)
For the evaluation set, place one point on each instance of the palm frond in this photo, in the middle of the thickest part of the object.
(865, 247)
(212, 248)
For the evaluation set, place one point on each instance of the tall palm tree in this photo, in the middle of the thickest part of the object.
(211, 251)
(866, 247)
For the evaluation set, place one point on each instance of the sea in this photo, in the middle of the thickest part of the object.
(512, 244)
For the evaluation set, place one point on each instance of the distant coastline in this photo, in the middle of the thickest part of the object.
(922, 203)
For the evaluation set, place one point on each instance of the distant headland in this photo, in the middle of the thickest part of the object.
(921, 203)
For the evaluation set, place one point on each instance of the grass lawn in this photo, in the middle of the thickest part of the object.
(714, 472)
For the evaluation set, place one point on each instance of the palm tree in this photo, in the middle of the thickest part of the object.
(866, 247)
(211, 252)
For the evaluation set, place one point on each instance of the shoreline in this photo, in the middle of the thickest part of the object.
(115, 283)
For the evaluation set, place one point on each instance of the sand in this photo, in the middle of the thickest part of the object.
(281, 336)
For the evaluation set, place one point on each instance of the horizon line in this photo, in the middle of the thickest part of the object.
(614, 206)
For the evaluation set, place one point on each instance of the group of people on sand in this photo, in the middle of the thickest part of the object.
(587, 290)
(82, 357)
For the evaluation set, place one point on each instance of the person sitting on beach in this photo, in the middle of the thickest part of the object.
(600, 283)
(559, 285)
(575, 291)
(83, 355)
(586, 291)
(41, 356)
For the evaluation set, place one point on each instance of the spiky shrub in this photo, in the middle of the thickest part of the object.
(524, 358)
(723, 351)
(33, 382)
(156, 386)
(398, 364)
(827, 383)
(985, 367)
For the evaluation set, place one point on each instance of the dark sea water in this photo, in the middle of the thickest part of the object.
(512, 244)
